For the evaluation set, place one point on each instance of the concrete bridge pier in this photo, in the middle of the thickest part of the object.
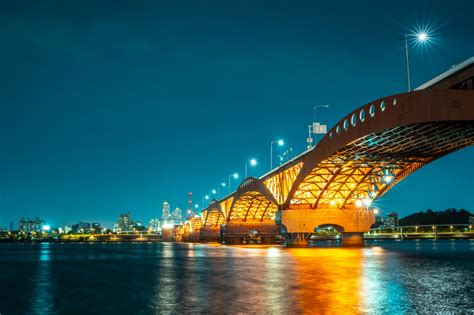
(249, 232)
(210, 234)
(297, 239)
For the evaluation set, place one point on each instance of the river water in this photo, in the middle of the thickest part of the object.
(386, 277)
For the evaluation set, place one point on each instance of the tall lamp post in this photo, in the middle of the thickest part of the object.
(252, 162)
(218, 191)
(315, 124)
(280, 143)
(421, 38)
(235, 176)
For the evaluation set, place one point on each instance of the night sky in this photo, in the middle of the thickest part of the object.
(114, 106)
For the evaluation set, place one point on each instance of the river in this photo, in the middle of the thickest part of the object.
(385, 277)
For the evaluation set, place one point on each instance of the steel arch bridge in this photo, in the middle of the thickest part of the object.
(364, 155)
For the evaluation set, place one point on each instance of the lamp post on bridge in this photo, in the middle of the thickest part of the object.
(316, 128)
(253, 162)
(420, 38)
(280, 143)
(218, 191)
(235, 176)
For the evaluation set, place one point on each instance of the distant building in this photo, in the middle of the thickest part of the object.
(166, 212)
(96, 228)
(190, 212)
(389, 221)
(177, 216)
(31, 225)
(124, 223)
(392, 219)
(81, 227)
(154, 225)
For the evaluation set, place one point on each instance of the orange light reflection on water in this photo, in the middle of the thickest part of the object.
(328, 279)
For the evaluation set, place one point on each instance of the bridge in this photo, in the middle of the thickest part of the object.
(335, 183)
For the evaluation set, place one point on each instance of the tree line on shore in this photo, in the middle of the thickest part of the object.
(448, 216)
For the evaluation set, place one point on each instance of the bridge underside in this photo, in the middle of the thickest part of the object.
(366, 168)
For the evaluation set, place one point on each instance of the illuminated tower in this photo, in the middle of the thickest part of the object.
(190, 205)
(166, 212)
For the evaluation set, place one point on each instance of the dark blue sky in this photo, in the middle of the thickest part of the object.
(115, 106)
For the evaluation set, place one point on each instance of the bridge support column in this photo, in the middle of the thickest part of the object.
(249, 232)
(297, 239)
(353, 239)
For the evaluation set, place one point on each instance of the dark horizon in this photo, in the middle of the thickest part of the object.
(114, 107)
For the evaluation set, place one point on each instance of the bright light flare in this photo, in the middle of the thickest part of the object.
(422, 36)
(235, 175)
(168, 226)
(367, 202)
(388, 179)
(46, 228)
(281, 142)
(358, 203)
(376, 211)
(253, 162)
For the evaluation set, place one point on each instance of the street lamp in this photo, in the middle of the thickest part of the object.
(218, 191)
(311, 129)
(252, 162)
(420, 38)
(280, 143)
(235, 176)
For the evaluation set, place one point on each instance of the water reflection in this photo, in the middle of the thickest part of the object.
(390, 277)
(42, 302)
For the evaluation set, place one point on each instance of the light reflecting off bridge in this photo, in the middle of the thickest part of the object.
(422, 276)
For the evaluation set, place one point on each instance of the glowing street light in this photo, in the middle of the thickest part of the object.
(280, 143)
(235, 176)
(252, 162)
(218, 191)
(421, 37)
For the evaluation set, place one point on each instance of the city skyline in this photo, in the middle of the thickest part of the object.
(150, 118)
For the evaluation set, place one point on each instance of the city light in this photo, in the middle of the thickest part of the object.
(358, 203)
(422, 36)
(235, 175)
(281, 142)
(214, 191)
(376, 211)
(196, 206)
(332, 203)
(46, 228)
(253, 162)
(206, 197)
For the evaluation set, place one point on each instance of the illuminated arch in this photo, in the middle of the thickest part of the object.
(392, 137)
(252, 202)
(215, 216)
